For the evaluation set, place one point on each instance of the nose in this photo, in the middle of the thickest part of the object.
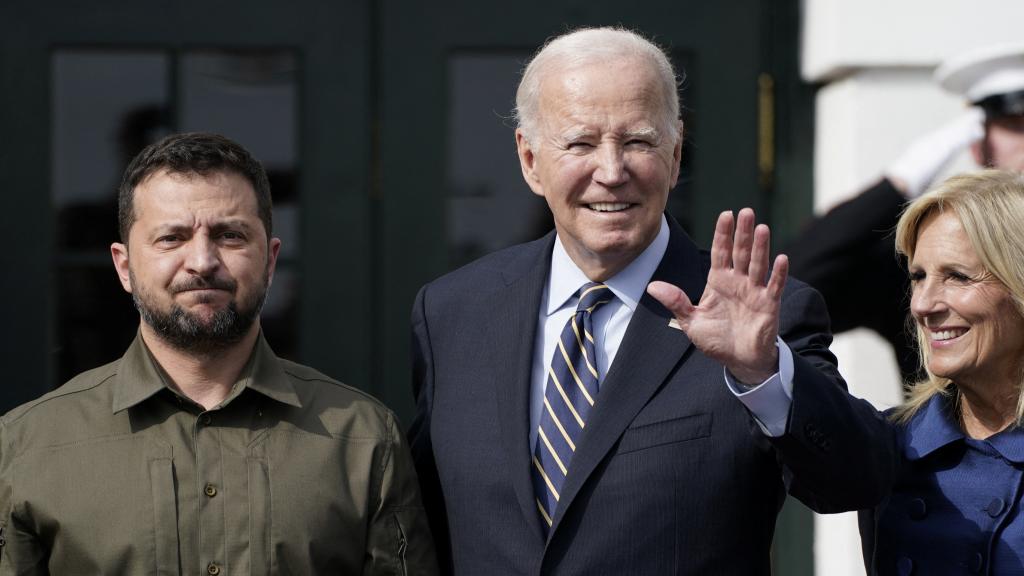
(611, 165)
(926, 299)
(202, 257)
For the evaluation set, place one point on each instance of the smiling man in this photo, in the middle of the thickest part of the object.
(566, 424)
(200, 451)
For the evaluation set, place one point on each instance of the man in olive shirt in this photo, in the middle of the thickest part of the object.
(200, 451)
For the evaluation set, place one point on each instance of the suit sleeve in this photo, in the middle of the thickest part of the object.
(419, 433)
(839, 453)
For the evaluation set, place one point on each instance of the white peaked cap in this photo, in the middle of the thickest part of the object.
(985, 72)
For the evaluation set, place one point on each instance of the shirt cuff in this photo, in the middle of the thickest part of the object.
(770, 401)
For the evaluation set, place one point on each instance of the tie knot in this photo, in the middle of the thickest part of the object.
(593, 295)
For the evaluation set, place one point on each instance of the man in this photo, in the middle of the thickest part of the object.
(848, 253)
(566, 424)
(200, 451)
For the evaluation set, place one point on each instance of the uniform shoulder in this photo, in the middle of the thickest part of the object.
(55, 399)
(343, 409)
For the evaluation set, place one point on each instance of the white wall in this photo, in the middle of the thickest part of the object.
(875, 59)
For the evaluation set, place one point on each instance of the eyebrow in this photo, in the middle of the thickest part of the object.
(219, 226)
(230, 223)
(646, 132)
(575, 134)
(651, 133)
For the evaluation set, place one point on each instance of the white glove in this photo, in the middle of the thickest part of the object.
(924, 159)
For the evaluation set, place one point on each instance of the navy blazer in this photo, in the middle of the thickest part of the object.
(671, 476)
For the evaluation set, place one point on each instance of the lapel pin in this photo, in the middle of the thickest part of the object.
(673, 323)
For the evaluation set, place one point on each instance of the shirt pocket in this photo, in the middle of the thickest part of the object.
(165, 511)
(259, 513)
(642, 435)
(107, 504)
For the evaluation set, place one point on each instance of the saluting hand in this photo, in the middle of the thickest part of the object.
(737, 318)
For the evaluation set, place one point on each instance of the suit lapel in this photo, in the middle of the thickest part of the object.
(512, 334)
(649, 351)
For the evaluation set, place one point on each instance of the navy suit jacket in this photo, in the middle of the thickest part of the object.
(671, 476)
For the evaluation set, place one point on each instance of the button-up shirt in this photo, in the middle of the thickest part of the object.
(293, 473)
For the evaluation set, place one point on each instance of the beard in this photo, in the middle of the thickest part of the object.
(192, 333)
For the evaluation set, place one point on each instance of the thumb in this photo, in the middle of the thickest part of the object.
(671, 297)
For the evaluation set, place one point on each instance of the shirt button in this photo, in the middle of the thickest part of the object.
(918, 509)
(995, 507)
(904, 566)
(210, 490)
(213, 569)
(205, 419)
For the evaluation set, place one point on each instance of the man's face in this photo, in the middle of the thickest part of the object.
(603, 159)
(1003, 146)
(198, 263)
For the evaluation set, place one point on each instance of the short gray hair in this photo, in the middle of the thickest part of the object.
(588, 45)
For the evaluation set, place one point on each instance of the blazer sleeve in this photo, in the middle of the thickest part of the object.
(838, 452)
(419, 433)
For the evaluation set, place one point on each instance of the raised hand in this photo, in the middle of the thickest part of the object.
(737, 318)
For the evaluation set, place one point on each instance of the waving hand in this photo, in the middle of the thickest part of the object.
(737, 318)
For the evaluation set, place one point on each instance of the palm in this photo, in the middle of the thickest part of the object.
(737, 318)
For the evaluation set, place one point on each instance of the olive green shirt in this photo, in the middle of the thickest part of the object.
(294, 473)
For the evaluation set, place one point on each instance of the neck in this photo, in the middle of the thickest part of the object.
(599, 267)
(206, 379)
(988, 412)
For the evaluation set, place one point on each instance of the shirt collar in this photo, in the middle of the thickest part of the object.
(935, 427)
(139, 376)
(628, 285)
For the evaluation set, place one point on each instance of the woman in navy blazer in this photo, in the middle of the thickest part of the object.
(955, 508)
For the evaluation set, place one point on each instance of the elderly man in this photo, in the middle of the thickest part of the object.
(567, 424)
(200, 451)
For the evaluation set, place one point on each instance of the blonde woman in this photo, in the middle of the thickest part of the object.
(955, 508)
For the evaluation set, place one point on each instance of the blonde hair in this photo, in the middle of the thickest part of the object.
(591, 45)
(990, 206)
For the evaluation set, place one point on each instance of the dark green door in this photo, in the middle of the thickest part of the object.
(87, 84)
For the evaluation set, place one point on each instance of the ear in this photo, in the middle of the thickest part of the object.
(528, 162)
(677, 154)
(273, 249)
(978, 152)
(119, 253)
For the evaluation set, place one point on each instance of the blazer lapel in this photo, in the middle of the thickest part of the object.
(649, 351)
(512, 333)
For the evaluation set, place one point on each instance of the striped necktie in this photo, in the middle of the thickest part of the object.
(568, 398)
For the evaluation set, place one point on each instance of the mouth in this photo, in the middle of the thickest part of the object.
(608, 206)
(946, 334)
(201, 291)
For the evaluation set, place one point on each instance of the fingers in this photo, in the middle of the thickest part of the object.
(744, 240)
(780, 271)
(740, 246)
(759, 254)
(673, 298)
(721, 246)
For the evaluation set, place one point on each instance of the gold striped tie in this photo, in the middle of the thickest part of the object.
(572, 387)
